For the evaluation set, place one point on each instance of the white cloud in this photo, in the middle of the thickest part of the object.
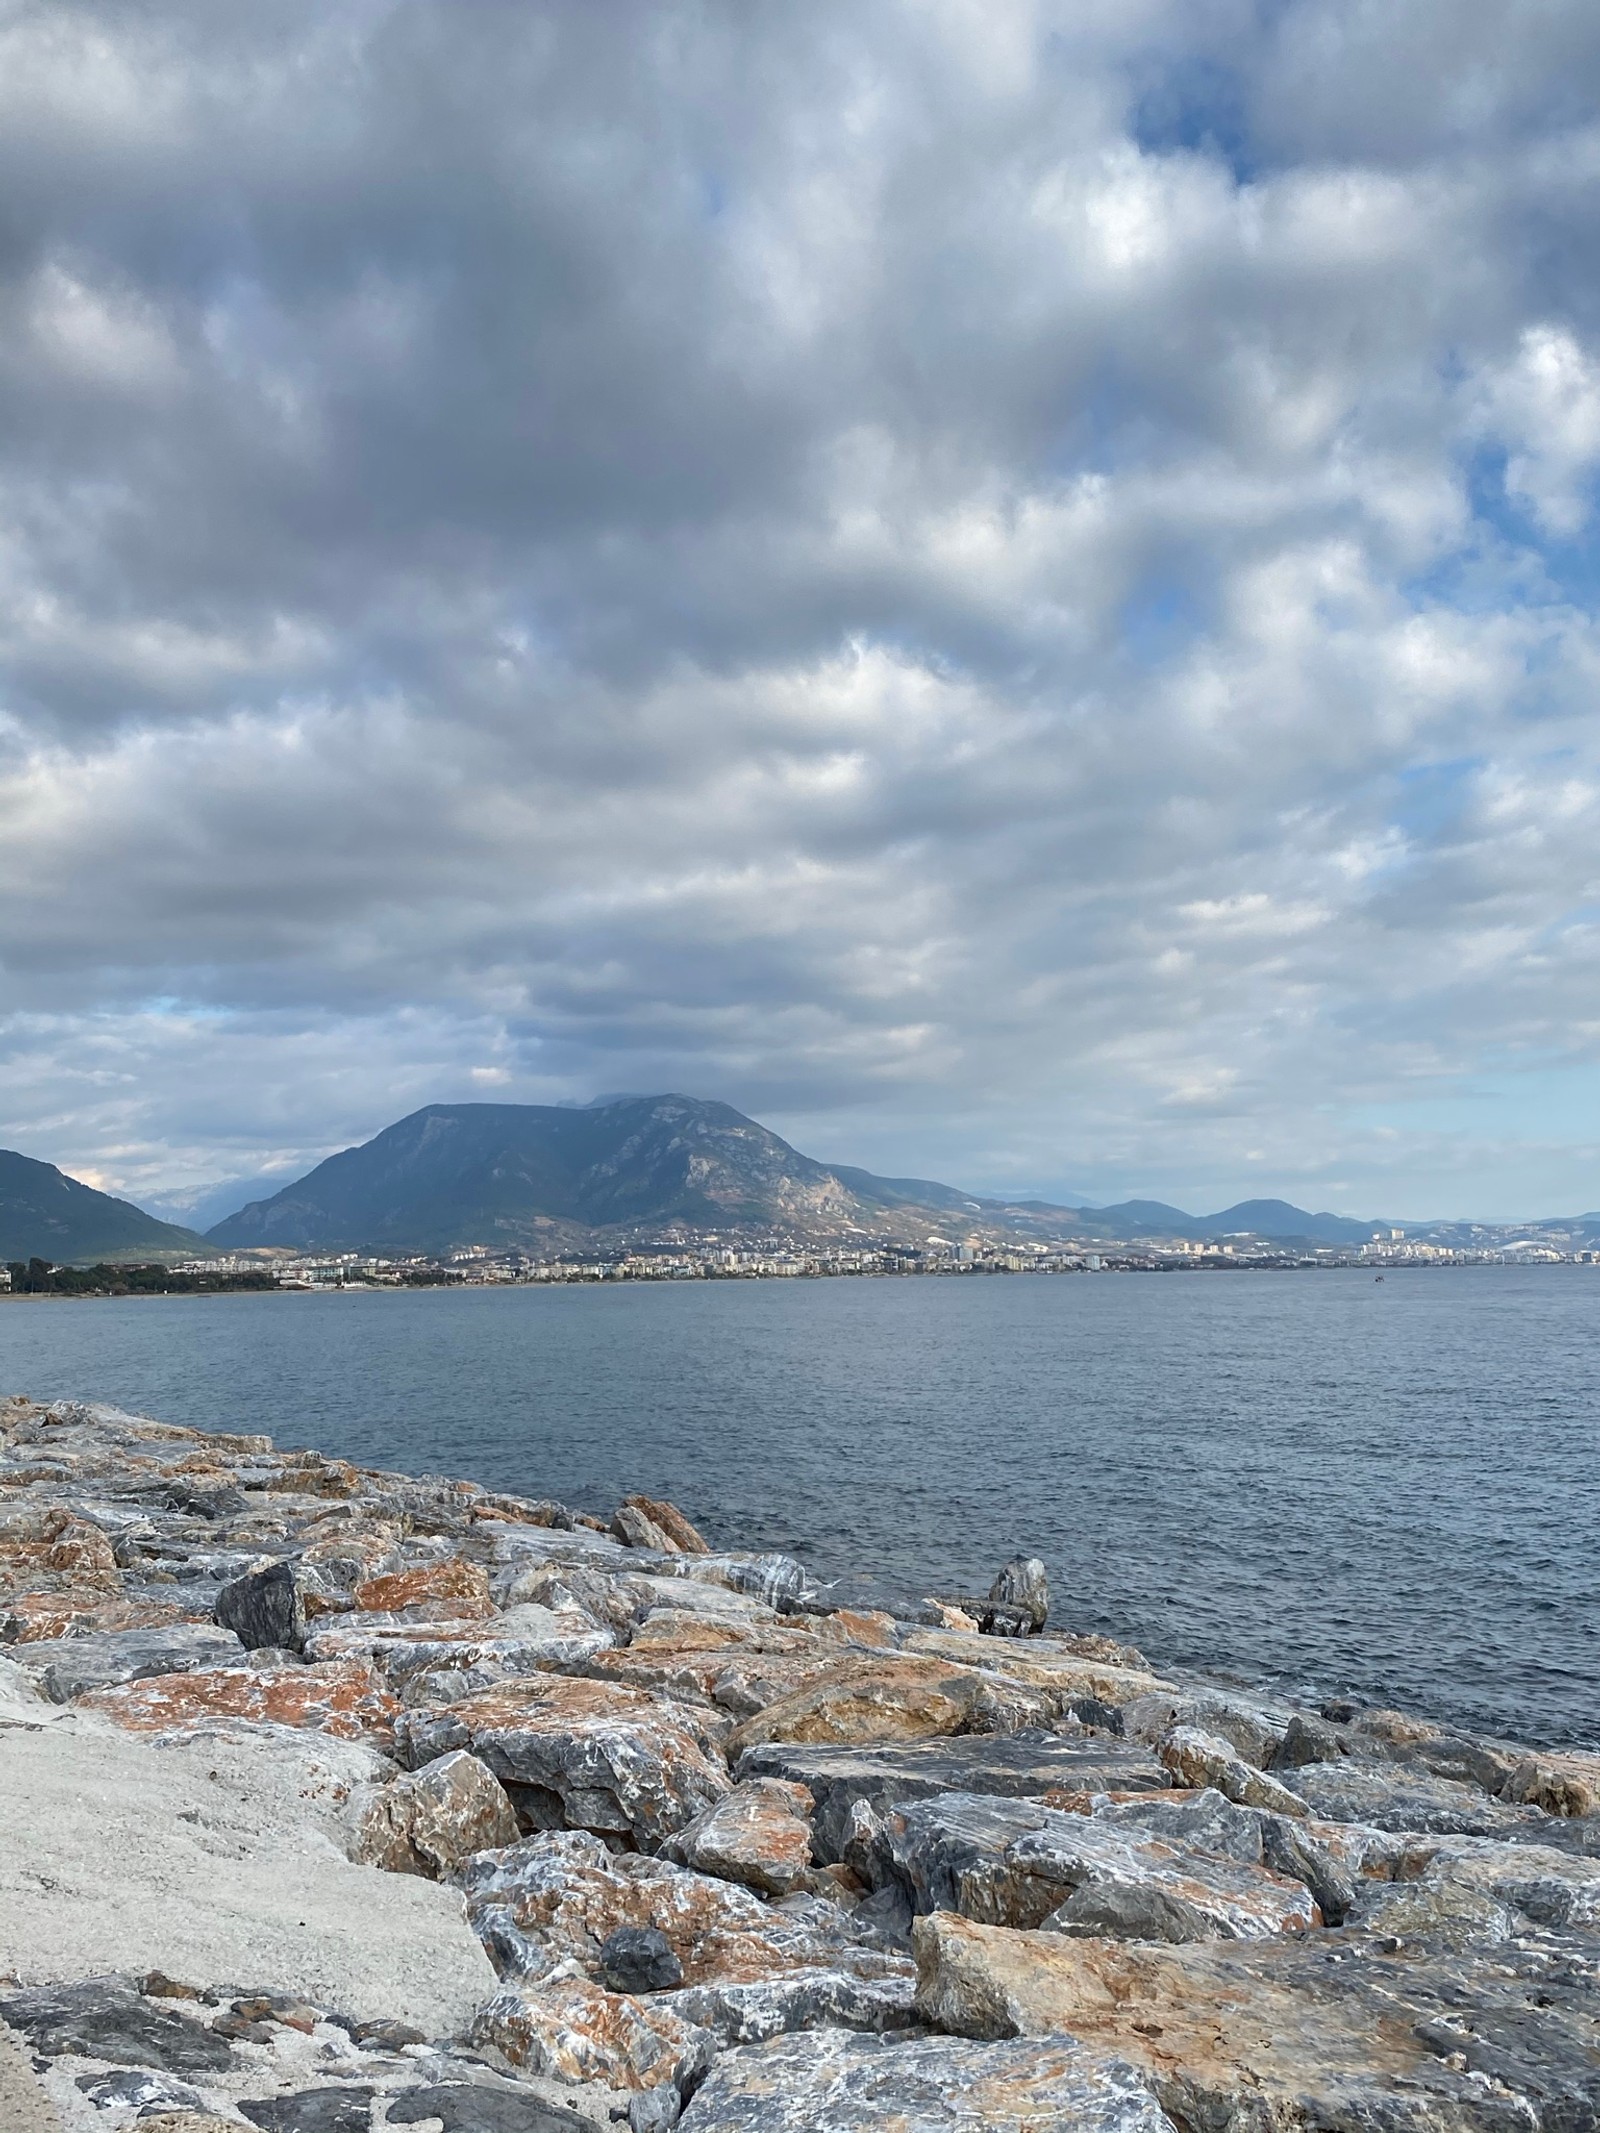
(916, 570)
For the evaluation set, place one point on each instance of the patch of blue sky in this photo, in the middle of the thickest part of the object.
(168, 1007)
(1513, 560)
(1160, 619)
(1196, 106)
(1110, 428)
(1432, 796)
(1545, 1100)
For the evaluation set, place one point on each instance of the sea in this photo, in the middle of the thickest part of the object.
(1313, 1482)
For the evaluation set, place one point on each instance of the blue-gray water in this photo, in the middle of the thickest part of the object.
(1387, 1488)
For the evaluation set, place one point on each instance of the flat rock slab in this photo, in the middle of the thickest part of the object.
(1017, 1863)
(68, 1667)
(1025, 1765)
(833, 2083)
(344, 1698)
(1400, 1796)
(475, 2107)
(218, 1859)
(106, 2018)
(1341, 2032)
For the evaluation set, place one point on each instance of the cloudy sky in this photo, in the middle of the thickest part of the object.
(1008, 586)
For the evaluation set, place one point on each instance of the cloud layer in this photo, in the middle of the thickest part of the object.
(1009, 587)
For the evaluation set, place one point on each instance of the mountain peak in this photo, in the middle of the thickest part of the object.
(47, 1215)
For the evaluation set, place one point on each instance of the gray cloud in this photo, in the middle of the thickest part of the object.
(1010, 588)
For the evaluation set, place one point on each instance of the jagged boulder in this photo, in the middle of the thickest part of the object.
(344, 1698)
(579, 1754)
(70, 1667)
(1197, 1758)
(1016, 1863)
(1286, 2032)
(856, 2084)
(266, 1609)
(759, 1835)
(429, 1821)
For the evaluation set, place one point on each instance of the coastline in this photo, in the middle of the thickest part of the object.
(841, 1858)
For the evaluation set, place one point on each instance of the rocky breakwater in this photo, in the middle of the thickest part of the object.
(338, 1800)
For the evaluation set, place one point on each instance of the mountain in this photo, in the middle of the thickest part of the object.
(552, 1176)
(44, 1214)
(909, 1192)
(520, 1174)
(1140, 1218)
(1277, 1218)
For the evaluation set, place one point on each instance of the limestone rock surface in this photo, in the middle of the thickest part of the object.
(1015, 1863)
(836, 2083)
(579, 1754)
(1346, 2034)
(429, 1821)
(344, 1698)
(759, 1834)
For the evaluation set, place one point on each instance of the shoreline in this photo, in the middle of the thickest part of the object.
(669, 1833)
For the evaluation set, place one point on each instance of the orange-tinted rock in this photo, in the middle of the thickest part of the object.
(889, 1697)
(869, 1626)
(462, 1584)
(742, 1967)
(429, 1821)
(345, 1698)
(735, 1667)
(1053, 1665)
(580, 1754)
(37, 1617)
(572, 2030)
(760, 1835)
(55, 1551)
(670, 1522)
(1562, 1783)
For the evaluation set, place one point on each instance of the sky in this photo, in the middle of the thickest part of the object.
(1008, 586)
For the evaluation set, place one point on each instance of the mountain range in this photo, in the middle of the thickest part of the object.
(44, 1214)
(624, 1170)
(543, 1176)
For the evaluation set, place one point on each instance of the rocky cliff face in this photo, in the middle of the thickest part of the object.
(338, 1800)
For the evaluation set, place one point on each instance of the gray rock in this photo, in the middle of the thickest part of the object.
(1253, 1729)
(105, 2018)
(1461, 1757)
(656, 2111)
(638, 1959)
(1398, 1796)
(1023, 1584)
(1015, 1863)
(835, 2082)
(478, 2107)
(139, 2090)
(329, 2110)
(751, 2010)
(1339, 2032)
(1016, 1766)
(267, 1607)
(67, 1667)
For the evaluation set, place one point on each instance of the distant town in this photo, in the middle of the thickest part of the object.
(714, 1258)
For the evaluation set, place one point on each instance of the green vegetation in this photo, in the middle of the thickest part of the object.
(38, 1277)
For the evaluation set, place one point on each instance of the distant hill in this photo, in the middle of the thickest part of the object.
(526, 1174)
(551, 1176)
(44, 1214)
(1276, 1220)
